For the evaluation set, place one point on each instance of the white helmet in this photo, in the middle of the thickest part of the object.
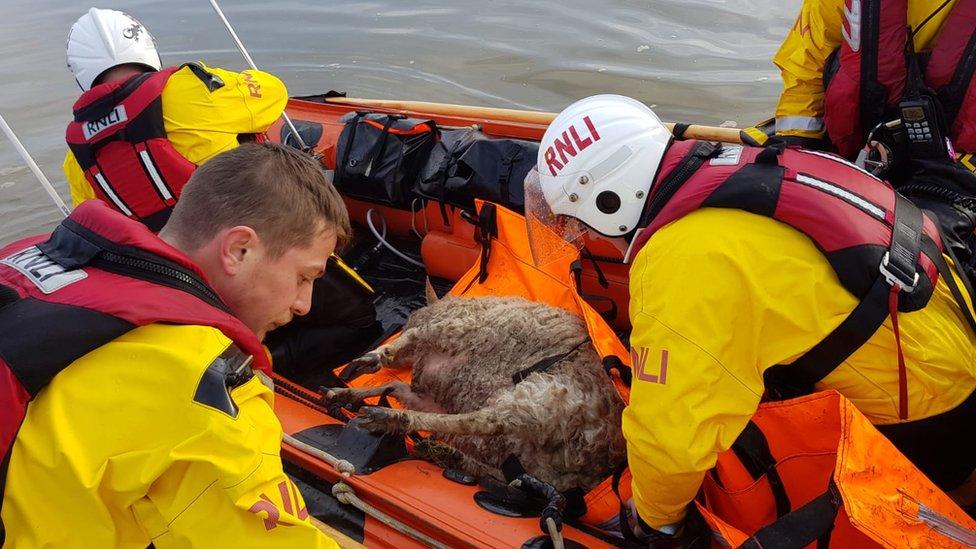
(102, 39)
(598, 159)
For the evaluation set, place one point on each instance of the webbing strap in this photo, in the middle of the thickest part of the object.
(902, 370)
(487, 229)
(665, 190)
(576, 267)
(7, 295)
(353, 126)
(380, 145)
(544, 364)
(752, 449)
(101, 107)
(897, 268)
(950, 281)
(811, 522)
(785, 381)
(623, 523)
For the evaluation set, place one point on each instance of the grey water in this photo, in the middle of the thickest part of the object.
(705, 61)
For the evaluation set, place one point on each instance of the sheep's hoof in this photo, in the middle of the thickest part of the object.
(366, 364)
(384, 420)
(343, 398)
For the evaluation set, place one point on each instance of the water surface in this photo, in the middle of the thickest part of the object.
(704, 61)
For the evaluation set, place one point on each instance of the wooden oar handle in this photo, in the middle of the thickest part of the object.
(344, 541)
(709, 133)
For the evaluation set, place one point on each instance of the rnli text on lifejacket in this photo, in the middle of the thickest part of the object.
(117, 116)
(47, 275)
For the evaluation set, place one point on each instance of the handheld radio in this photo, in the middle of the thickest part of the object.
(921, 113)
(922, 117)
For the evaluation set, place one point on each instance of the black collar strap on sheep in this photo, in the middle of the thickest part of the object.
(544, 364)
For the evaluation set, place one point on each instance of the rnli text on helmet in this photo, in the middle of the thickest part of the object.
(562, 146)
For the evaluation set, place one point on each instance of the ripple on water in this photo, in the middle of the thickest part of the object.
(698, 60)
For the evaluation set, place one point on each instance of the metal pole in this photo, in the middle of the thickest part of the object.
(33, 167)
(247, 57)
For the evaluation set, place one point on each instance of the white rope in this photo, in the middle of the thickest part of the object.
(34, 168)
(557, 538)
(345, 495)
(247, 57)
(344, 467)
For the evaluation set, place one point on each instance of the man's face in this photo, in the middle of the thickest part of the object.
(268, 292)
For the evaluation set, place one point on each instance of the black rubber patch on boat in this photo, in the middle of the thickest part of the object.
(454, 475)
(545, 542)
(368, 452)
(311, 133)
(501, 506)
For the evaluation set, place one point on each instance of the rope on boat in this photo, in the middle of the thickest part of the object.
(344, 467)
(345, 495)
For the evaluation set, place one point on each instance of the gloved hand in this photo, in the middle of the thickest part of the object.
(669, 536)
(756, 137)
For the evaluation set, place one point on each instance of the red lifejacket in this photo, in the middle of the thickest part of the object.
(96, 277)
(872, 70)
(119, 140)
(885, 252)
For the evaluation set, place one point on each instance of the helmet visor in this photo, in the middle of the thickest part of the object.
(552, 236)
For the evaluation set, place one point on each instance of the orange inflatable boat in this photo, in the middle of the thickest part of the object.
(368, 489)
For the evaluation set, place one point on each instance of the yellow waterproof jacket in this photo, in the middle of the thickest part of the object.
(117, 452)
(720, 295)
(201, 123)
(814, 36)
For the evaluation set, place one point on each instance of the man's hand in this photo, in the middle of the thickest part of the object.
(667, 537)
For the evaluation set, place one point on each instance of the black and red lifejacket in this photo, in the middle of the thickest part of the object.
(884, 250)
(868, 75)
(96, 277)
(119, 140)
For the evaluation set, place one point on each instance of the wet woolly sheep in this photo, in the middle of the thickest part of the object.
(563, 424)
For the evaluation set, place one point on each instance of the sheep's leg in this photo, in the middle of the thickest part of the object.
(507, 414)
(384, 355)
(354, 396)
(388, 420)
(448, 457)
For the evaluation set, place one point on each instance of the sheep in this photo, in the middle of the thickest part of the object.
(563, 424)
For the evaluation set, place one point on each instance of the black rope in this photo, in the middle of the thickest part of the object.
(294, 391)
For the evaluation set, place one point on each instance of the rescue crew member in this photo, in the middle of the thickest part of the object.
(837, 47)
(846, 71)
(147, 427)
(138, 130)
(745, 259)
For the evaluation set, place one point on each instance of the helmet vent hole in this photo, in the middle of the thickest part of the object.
(608, 202)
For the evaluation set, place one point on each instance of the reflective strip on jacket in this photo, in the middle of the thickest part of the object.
(201, 123)
(816, 33)
(720, 295)
(115, 456)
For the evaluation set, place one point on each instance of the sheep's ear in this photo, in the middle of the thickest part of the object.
(429, 290)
